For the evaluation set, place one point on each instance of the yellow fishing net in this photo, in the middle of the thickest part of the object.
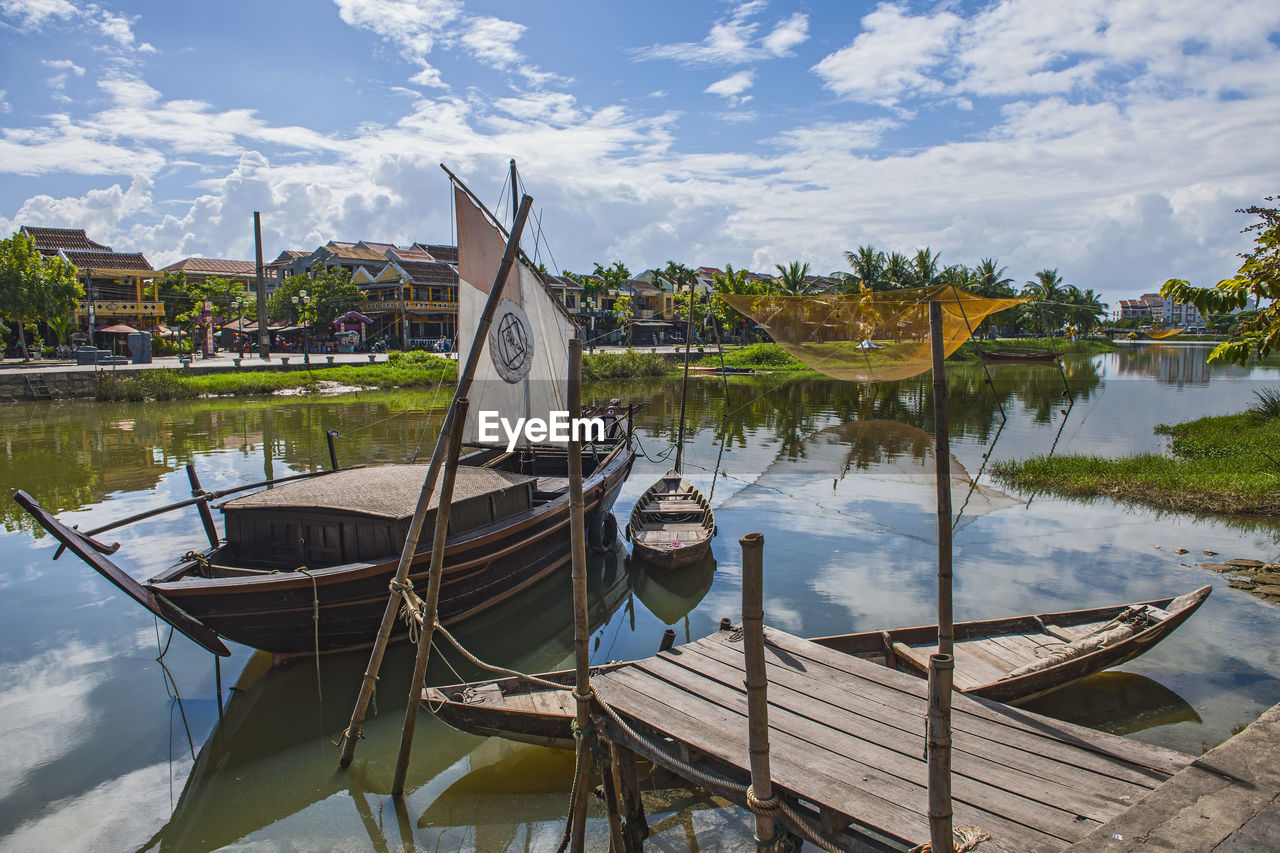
(868, 337)
(1160, 334)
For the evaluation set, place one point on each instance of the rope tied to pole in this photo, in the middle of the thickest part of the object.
(771, 806)
(964, 838)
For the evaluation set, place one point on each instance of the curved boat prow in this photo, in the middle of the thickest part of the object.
(93, 553)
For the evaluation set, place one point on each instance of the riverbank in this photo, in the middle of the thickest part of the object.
(1059, 346)
(1223, 465)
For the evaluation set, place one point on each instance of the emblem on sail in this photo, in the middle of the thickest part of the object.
(525, 371)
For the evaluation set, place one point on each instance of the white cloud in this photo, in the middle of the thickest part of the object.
(4, 103)
(892, 55)
(732, 87)
(733, 41)
(788, 34)
(32, 14)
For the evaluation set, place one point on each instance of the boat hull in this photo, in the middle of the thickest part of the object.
(341, 607)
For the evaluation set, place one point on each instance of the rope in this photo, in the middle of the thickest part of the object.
(963, 838)
(493, 668)
(315, 618)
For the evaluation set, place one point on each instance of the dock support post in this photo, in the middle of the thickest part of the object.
(760, 797)
(581, 627)
(635, 828)
(432, 601)
(206, 515)
(330, 435)
(941, 665)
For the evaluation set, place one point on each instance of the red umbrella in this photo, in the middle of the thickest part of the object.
(118, 329)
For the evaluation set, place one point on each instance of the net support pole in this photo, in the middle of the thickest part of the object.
(351, 735)
(432, 602)
(581, 627)
(938, 720)
(264, 332)
(757, 684)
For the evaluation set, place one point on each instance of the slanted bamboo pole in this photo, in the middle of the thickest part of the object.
(427, 630)
(264, 332)
(684, 381)
(635, 828)
(938, 726)
(761, 790)
(206, 515)
(352, 733)
(581, 628)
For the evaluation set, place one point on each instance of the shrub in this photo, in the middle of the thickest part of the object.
(1268, 404)
(623, 365)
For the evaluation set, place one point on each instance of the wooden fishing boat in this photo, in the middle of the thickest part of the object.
(305, 566)
(1032, 357)
(1008, 660)
(671, 524)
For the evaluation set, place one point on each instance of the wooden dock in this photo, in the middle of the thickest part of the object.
(847, 747)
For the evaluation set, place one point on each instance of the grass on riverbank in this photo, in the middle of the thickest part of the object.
(1227, 465)
(136, 386)
(968, 352)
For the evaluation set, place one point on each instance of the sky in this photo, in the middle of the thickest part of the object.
(1112, 141)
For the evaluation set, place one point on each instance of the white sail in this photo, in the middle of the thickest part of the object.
(523, 370)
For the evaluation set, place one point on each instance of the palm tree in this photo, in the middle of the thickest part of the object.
(924, 268)
(897, 272)
(868, 267)
(1049, 295)
(1086, 309)
(791, 278)
(989, 280)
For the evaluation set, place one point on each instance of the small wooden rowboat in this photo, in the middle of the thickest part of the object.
(1036, 357)
(671, 524)
(1008, 660)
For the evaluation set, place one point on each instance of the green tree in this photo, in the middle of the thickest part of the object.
(988, 279)
(331, 291)
(613, 277)
(897, 272)
(924, 268)
(34, 289)
(624, 311)
(868, 267)
(792, 278)
(1257, 281)
(1084, 309)
(1047, 294)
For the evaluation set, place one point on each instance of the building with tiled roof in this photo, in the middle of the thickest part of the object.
(413, 300)
(120, 287)
(444, 254)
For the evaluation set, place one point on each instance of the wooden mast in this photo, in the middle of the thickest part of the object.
(351, 735)
(941, 664)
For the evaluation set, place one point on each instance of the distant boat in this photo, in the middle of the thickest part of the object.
(1045, 357)
(1006, 660)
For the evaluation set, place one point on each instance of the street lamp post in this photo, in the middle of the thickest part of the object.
(302, 300)
(239, 304)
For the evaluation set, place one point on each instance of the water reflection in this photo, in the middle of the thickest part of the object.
(845, 502)
(1117, 702)
(279, 723)
(670, 594)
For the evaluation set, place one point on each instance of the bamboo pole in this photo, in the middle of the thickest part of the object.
(684, 382)
(264, 332)
(206, 515)
(757, 684)
(938, 727)
(352, 733)
(581, 628)
(942, 469)
(635, 828)
(432, 601)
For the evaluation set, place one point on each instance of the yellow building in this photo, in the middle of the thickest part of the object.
(120, 287)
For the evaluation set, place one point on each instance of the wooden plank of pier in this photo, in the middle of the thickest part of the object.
(847, 746)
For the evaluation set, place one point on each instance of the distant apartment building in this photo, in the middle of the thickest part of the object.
(1154, 308)
(120, 287)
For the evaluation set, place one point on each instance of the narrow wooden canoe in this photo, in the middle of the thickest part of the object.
(671, 524)
(1018, 356)
(1009, 660)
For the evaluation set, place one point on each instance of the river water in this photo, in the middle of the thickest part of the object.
(109, 748)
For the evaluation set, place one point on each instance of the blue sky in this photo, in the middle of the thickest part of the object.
(1111, 140)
